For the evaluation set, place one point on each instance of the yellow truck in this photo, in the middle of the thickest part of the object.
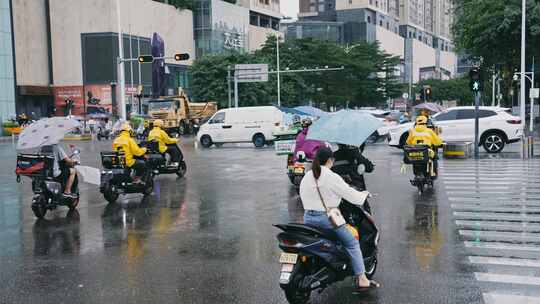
(178, 114)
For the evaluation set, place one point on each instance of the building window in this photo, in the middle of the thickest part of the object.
(380, 23)
(368, 19)
(321, 7)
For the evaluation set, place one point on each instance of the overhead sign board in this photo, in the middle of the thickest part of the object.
(535, 93)
(251, 72)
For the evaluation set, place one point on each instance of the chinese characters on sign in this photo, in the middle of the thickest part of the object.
(233, 40)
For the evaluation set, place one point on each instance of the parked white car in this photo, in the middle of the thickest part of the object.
(497, 128)
(237, 125)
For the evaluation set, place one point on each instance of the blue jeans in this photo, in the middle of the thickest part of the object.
(352, 246)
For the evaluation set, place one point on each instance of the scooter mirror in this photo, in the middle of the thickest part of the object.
(361, 169)
(76, 152)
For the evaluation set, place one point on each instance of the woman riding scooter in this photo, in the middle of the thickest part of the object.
(321, 190)
(308, 146)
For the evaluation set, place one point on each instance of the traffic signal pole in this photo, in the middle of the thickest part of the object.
(477, 96)
(120, 66)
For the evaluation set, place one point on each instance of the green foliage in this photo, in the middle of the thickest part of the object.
(10, 124)
(454, 89)
(182, 4)
(363, 82)
(490, 30)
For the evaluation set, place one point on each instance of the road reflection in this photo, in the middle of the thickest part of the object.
(58, 236)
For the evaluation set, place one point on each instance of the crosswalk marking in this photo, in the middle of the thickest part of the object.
(500, 236)
(500, 246)
(507, 278)
(504, 261)
(497, 298)
(497, 226)
(496, 208)
(524, 217)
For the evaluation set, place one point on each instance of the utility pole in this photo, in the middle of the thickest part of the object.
(120, 65)
(229, 85)
(477, 96)
(278, 76)
(523, 67)
(494, 79)
(235, 89)
(531, 122)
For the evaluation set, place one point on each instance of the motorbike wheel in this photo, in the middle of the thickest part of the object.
(73, 205)
(149, 187)
(370, 271)
(421, 187)
(110, 195)
(297, 296)
(182, 168)
(39, 206)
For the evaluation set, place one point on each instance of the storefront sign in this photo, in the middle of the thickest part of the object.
(233, 40)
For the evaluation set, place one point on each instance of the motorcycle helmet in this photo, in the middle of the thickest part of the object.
(158, 123)
(421, 120)
(126, 126)
(306, 122)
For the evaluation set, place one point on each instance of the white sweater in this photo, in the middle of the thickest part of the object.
(333, 189)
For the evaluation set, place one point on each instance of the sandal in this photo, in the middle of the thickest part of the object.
(372, 286)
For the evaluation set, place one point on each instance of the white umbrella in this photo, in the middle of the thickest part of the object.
(47, 131)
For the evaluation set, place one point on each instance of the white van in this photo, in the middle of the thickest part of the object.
(237, 125)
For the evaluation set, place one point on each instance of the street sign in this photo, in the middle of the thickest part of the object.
(251, 72)
(405, 96)
(535, 93)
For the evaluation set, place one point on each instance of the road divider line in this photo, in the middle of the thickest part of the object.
(487, 208)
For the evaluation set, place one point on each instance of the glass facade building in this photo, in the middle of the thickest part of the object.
(7, 74)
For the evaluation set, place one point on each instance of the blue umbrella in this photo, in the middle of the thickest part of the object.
(292, 111)
(312, 111)
(344, 127)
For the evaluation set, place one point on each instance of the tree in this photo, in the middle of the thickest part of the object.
(490, 31)
(368, 77)
(454, 89)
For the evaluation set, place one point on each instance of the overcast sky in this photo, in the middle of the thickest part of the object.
(289, 8)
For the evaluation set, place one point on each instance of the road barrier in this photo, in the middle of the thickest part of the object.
(458, 150)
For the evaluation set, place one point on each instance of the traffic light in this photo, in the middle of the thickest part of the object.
(181, 57)
(475, 80)
(427, 93)
(146, 58)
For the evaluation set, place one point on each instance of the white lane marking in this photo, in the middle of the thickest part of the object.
(500, 235)
(496, 200)
(504, 261)
(496, 216)
(507, 278)
(491, 208)
(505, 226)
(480, 194)
(480, 188)
(500, 246)
(495, 298)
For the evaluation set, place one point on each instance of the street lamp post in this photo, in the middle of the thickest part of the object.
(278, 71)
(120, 65)
(523, 66)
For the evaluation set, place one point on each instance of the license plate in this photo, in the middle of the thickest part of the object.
(287, 267)
(288, 258)
(284, 277)
(299, 170)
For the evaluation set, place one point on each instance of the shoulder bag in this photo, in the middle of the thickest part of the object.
(334, 215)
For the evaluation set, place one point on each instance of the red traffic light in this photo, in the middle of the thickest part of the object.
(181, 57)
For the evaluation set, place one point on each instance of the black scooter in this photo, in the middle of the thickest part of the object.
(48, 190)
(312, 259)
(117, 178)
(160, 163)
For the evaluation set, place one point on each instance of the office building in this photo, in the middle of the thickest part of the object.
(7, 76)
(67, 49)
(220, 26)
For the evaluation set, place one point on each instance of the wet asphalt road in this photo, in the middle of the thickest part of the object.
(208, 238)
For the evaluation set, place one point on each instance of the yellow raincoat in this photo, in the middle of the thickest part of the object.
(128, 146)
(162, 138)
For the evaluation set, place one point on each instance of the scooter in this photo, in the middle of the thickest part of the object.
(296, 169)
(160, 163)
(423, 166)
(48, 190)
(117, 178)
(312, 259)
